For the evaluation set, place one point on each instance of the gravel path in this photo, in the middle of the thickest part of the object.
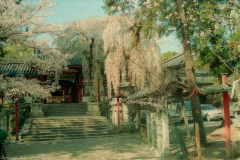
(111, 148)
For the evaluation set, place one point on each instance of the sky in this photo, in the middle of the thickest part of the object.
(76, 10)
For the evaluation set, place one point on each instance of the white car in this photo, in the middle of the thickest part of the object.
(210, 113)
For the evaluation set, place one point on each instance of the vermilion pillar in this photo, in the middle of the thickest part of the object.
(80, 89)
(76, 94)
(227, 117)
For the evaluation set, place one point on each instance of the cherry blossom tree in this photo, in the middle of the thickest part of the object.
(84, 38)
(124, 53)
(189, 20)
(97, 39)
(21, 24)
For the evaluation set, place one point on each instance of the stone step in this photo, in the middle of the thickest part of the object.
(78, 130)
(67, 107)
(64, 109)
(66, 113)
(68, 124)
(65, 127)
(66, 135)
(28, 139)
(64, 119)
(62, 114)
(68, 118)
(67, 121)
(46, 134)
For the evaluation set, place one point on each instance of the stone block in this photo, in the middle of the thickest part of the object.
(36, 110)
(93, 109)
(4, 120)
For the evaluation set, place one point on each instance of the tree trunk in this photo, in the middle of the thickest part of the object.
(185, 119)
(195, 102)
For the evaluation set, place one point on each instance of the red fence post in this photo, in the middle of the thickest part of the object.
(227, 118)
(16, 118)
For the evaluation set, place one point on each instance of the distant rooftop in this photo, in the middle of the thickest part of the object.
(174, 62)
(178, 62)
(13, 69)
(16, 68)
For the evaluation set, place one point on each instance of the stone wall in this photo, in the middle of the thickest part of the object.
(4, 119)
(8, 117)
(158, 134)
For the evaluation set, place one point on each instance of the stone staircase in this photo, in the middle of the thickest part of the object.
(64, 109)
(65, 121)
(62, 128)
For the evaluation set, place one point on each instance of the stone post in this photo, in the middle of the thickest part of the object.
(159, 133)
(165, 136)
(93, 109)
(126, 113)
(4, 120)
(154, 130)
(36, 110)
(149, 129)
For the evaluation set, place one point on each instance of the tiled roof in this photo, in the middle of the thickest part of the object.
(176, 61)
(16, 68)
(75, 60)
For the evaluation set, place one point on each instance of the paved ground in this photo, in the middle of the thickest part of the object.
(216, 149)
(122, 147)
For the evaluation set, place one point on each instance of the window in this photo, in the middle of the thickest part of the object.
(57, 93)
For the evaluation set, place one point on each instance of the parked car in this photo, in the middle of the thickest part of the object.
(176, 118)
(210, 113)
(234, 108)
